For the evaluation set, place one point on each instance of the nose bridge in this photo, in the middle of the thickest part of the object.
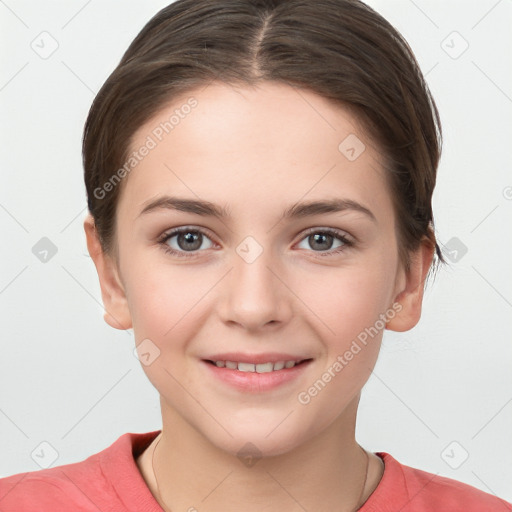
(255, 296)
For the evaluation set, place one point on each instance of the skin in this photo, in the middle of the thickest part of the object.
(257, 151)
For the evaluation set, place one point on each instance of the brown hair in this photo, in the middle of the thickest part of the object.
(340, 49)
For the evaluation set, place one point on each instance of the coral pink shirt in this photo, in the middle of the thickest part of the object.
(110, 481)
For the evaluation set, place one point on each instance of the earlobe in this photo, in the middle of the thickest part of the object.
(410, 297)
(117, 313)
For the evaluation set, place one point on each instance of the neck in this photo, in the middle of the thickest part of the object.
(326, 473)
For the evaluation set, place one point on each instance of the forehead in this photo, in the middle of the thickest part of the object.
(254, 147)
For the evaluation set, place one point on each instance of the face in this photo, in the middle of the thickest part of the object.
(258, 277)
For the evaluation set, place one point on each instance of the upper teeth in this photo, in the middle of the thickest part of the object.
(258, 368)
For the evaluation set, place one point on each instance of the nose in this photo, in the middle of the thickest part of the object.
(255, 296)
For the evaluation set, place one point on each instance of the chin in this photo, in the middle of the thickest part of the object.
(256, 445)
(266, 436)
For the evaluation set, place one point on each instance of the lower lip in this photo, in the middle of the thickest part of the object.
(254, 382)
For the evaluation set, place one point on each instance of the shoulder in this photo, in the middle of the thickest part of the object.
(89, 485)
(52, 489)
(424, 491)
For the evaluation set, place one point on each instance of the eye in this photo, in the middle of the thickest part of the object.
(322, 240)
(186, 240)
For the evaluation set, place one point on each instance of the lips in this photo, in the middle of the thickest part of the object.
(266, 367)
(256, 377)
(256, 363)
(256, 358)
(256, 372)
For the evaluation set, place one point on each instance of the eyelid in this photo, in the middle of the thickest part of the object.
(347, 239)
(332, 231)
(205, 231)
(180, 229)
(171, 233)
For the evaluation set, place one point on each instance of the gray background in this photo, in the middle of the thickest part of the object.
(440, 392)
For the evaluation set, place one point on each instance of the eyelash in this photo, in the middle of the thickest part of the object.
(183, 254)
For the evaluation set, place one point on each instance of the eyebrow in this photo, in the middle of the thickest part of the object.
(297, 210)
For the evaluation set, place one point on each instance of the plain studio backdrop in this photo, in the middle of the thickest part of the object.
(440, 397)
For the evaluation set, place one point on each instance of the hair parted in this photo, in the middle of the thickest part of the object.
(340, 49)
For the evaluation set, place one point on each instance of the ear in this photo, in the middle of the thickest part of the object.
(412, 284)
(116, 314)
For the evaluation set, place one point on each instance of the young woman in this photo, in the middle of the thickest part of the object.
(259, 179)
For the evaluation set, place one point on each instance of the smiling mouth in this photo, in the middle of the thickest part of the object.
(258, 367)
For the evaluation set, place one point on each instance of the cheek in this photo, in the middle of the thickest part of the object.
(344, 301)
(351, 310)
(163, 300)
(166, 309)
